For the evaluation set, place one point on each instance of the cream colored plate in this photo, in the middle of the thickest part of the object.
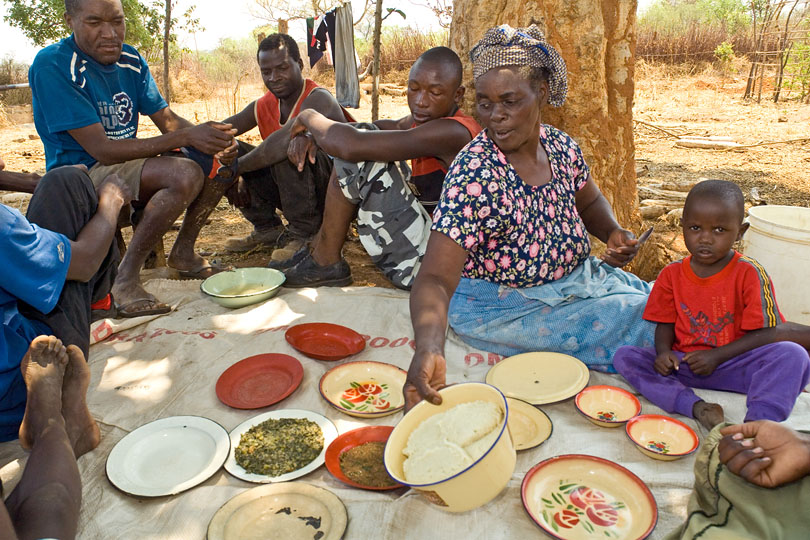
(539, 377)
(580, 497)
(528, 425)
(290, 511)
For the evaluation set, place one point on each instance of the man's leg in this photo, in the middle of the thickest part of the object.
(337, 217)
(260, 211)
(46, 502)
(302, 196)
(64, 201)
(391, 223)
(170, 185)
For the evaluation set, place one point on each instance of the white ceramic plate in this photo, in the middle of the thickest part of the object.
(539, 377)
(327, 428)
(285, 511)
(168, 456)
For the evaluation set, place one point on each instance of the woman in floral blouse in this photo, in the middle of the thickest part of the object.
(509, 242)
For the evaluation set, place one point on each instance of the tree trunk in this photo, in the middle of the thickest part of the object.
(166, 36)
(375, 70)
(597, 40)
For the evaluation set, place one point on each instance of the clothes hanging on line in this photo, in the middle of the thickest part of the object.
(347, 83)
(333, 32)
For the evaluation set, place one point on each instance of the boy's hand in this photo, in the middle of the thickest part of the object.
(703, 362)
(666, 362)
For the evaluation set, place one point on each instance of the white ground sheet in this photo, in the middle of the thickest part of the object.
(166, 366)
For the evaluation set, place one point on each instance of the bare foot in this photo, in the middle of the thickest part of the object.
(43, 368)
(708, 414)
(81, 428)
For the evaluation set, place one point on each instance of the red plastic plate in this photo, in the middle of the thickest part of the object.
(349, 440)
(259, 381)
(325, 341)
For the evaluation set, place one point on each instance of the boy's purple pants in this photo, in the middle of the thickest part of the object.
(772, 376)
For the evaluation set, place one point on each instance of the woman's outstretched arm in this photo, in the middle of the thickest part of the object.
(435, 284)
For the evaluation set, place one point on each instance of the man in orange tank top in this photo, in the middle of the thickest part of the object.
(371, 179)
(276, 183)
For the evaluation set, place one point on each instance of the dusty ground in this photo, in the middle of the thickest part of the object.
(705, 103)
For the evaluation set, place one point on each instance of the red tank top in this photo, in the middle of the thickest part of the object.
(268, 111)
(427, 173)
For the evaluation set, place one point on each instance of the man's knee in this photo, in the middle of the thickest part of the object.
(190, 178)
(61, 181)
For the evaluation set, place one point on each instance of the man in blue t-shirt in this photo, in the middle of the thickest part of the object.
(88, 92)
(56, 261)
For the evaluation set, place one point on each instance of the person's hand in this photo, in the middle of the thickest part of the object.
(426, 377)
(238, 194)
(765, 453)
(226, 157)
(210, 137)
(2, 164)
(302, 148)
(703, 362)
(114, 186)
(665, 362)
(622, 246)
(298, 126)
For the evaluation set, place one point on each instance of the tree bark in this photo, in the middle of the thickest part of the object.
(598, 42)
(375, 70)
(166, 36)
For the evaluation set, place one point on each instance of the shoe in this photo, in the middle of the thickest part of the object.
(287, 245)
(308, 273)
(288, 263)
(239, 244)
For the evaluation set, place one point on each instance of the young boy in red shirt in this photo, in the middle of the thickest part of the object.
(717, 322)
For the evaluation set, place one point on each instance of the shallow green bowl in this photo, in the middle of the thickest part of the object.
(242, 286)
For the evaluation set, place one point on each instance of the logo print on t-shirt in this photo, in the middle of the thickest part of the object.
(123, 107)
(703, 330)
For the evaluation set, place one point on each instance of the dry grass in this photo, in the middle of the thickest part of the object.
(400, 49)
(696, 44)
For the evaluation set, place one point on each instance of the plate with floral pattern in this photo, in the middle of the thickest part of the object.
(575, 497)
(364, 389)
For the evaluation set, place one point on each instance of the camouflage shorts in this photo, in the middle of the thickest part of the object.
(393, 226)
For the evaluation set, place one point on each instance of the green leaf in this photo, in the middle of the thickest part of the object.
(588, 526)
(397, 11)
(554, 526)
(567, 487)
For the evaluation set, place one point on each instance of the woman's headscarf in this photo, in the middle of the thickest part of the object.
(507, 46)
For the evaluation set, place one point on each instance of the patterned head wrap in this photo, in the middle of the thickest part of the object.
(507, 46)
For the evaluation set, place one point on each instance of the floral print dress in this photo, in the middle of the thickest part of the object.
(529, 283)
(515, 234)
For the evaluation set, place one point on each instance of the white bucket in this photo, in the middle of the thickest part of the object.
(779, 239)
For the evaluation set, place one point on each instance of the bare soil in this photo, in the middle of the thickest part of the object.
(704, 103)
